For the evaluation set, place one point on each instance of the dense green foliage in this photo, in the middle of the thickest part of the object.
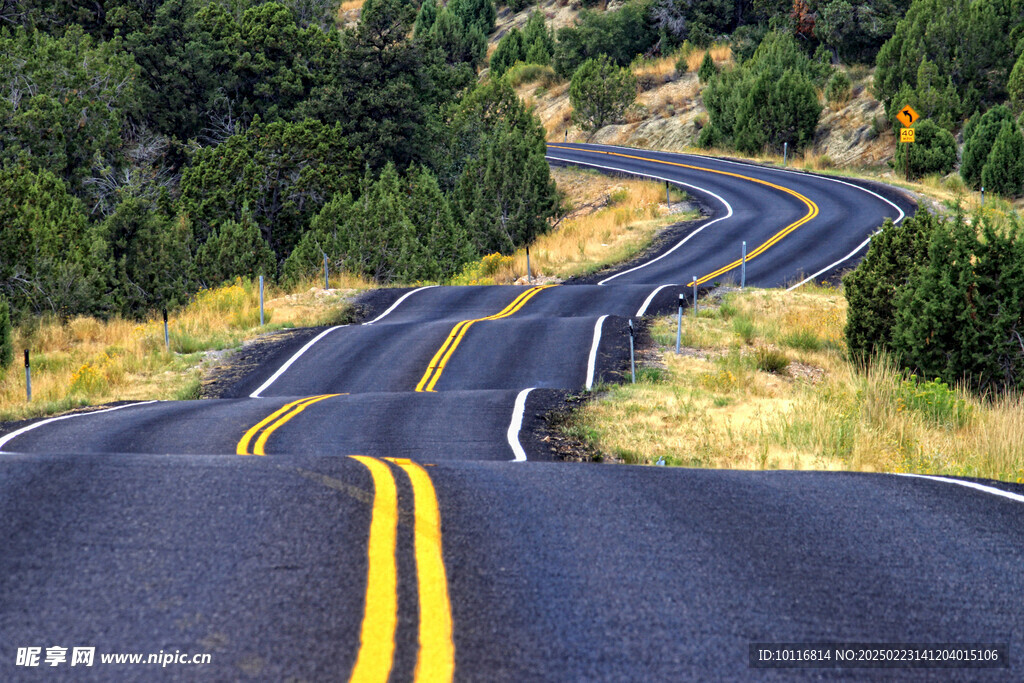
(1004, 168)
(149, 148)
(961, 316)
(771, 99)
(933, 151)
(979, 136)
(533, 45)
(895, 253)
(600, 93)
(6, 335)
(946, 298)
(970, 43)
(620, 36)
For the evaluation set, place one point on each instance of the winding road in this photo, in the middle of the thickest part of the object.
(372, 503)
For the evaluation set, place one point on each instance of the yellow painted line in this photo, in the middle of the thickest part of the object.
(281, 415)
(243, 444)
(444, 354)
(436, 659)
(812, 208)
(261, 442)
(380, 614)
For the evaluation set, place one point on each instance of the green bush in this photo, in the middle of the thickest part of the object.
(1004, 169)
(980, 134)
(769, 101)
(600, 93)
(935, 401)
(744, 327)
(933, 151)
(839, 88)
(895, 253)
(707, 69)
(770, 360)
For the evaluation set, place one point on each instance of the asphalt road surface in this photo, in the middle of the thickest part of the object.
(372, 503)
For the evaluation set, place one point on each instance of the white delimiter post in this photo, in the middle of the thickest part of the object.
(694, 296)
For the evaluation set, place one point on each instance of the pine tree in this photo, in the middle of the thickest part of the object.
(872, 290)
(443, 244)
(327, 235)
(979, 135)
(509, 51)
(1004, 169)
(934, 316)
(539, 42)
(425, 18)
(235, 249)
(6, 335)
(600, 93)
(1015, 85)
(707, 69)
(151, 256)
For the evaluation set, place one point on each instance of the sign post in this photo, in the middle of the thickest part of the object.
(907, 116)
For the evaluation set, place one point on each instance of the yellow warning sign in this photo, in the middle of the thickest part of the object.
(907, 116)
(907, 135)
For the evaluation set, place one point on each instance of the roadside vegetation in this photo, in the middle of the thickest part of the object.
(764, 381)
(88, 361)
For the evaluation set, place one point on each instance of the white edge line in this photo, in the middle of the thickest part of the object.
(400, 300)
(969, 484)
(667, 180)
(592, 361)
(15, 434)
(643, 309)
(281, 370)
(516, 425)
(853, 253)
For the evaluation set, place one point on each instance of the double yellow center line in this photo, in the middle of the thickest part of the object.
(812, 208)
(444, 354)
(270, 423)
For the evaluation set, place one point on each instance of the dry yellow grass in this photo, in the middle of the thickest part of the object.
(720, 54)
(713, 407)
(615, 219)
(88, 361)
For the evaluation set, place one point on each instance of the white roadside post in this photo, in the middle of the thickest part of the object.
(261, 301)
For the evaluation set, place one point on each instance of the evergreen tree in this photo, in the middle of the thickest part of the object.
(872, 290)
(444, 246)
(538, 40)
(66, 101)
(933, 151)
(707, 69)
(151, 257)
(960, 316)
(327, 236)
(459, 42)
(1015, 86)
(479, 13)
(235, 249)
(509, 51)
(425, 18)
(778, 111)
(979, 135)
(6, 335)
(283, 172)
(379, 238)
(51, 259)
(1004, 169)
(600, 93)
(503, 192)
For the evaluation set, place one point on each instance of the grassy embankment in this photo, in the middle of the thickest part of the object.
(88, 361)
(763, 383)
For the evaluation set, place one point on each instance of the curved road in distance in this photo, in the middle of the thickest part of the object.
(144, 529)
